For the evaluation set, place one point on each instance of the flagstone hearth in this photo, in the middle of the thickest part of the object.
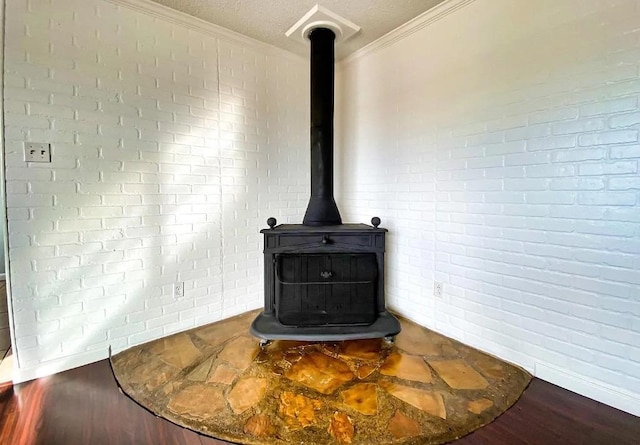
(216, 379)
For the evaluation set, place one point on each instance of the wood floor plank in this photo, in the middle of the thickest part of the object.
(85, 406)
(547, 414)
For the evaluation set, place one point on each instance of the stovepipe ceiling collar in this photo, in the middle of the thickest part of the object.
(321, 17)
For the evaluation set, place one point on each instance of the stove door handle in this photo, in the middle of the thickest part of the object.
(325, 239)
(326, 274)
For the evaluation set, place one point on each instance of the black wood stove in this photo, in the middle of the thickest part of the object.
(323, 280)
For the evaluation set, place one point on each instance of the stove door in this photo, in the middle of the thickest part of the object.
(326, 289)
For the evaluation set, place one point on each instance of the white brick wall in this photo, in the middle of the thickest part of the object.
(170, 148)
(500, 147)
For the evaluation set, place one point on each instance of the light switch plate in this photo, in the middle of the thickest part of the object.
(37, 152)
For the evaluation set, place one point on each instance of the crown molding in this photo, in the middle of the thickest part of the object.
(414, 25)
(173, 16)
(193, 23)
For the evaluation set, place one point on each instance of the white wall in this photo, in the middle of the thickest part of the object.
(499, 144)
(172, 142)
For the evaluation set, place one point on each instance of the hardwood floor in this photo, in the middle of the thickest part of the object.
(84, 406)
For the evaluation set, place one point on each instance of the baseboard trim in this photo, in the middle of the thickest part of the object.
(55, 366)
(591, 388)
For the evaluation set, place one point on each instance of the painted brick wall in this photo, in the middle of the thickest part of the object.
(168, 148)
(500, 146)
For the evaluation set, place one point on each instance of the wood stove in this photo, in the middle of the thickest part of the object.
(323, 280)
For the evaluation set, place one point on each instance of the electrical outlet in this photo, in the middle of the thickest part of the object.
(37, 152)
(178, 289)
(437, 289)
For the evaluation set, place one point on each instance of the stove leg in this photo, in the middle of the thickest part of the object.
(390, 340)
(264, 343)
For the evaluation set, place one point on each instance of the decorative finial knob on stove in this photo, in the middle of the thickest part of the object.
(271, 222)
(375, 221)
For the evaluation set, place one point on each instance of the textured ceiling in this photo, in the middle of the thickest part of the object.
(268, 20)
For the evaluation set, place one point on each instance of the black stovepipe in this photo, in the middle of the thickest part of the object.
(322, 209)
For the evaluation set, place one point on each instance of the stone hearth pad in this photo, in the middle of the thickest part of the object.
(425, 389)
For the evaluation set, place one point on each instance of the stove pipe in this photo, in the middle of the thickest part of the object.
(322, 209)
